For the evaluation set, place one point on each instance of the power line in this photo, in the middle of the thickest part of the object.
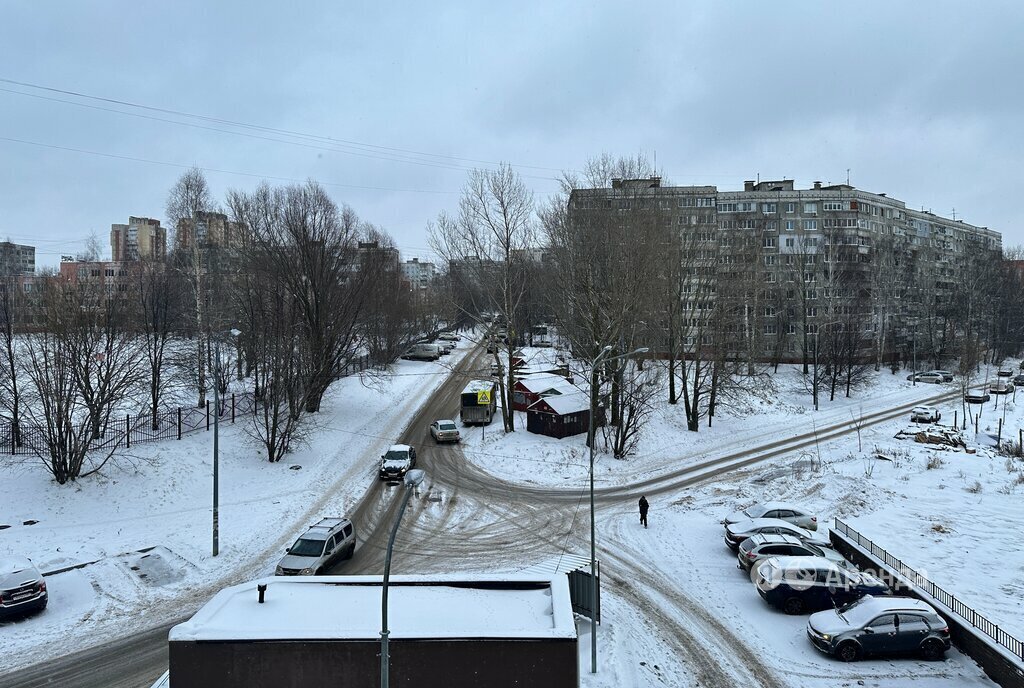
(149, 161)
(366, 147)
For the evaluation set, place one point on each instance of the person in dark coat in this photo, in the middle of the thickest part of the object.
(644, 506)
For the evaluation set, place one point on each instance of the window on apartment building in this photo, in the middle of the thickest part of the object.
(810, 224)
(811, 242)
(727, 207)
(812, 295)
(810, 208)
(28, 287)
(769, 242)
(769, 207)
(769, 278)
(810, 277)
(790, 293)
(833, 205)
(746, 207)
(790, 242)
(791, 207)
(95, 272)
(769, 260)
(812, 312)
(791, 329)
(790, 225)
(771, 225)
(687, 202)
(769, 311)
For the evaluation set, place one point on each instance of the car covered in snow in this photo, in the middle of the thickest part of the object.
(444, 431)
(801, 584)
(736, 533)
(874, 626)
(398, 460)
(323, 544)
(449, 337)
(1001, 385)
(925, 414)
(756, 549)
(22, 588)
(781, 510)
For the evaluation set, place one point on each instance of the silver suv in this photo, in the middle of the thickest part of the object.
(326, 542)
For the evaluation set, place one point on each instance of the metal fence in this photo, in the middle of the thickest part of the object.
(968, 614)
(124, 431)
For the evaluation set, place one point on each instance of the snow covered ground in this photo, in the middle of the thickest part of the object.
(160, 497)
(678, 574)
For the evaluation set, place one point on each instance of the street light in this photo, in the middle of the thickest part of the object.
(593, 539)
(412, 479)
(216, 438)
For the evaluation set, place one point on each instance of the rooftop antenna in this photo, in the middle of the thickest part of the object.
(954, 213)
(847, 176)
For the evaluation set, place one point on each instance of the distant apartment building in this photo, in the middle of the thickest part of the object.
(418, 274)
(17, 259)
(114, 277)
(792, 242)
(141, 238)
(209, 229)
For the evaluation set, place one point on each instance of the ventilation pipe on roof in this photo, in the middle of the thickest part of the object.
(261, 588)
(817, 185)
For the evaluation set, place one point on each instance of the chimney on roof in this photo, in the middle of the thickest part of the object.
(261, 588)
(616, 183)
(748, 185)
(817, 185)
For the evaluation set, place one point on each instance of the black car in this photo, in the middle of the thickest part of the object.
(22, 588)
(880, 626)
(808, 584)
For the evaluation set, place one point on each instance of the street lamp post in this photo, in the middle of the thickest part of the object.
(216, 441)
(412, 479)
(593, 529)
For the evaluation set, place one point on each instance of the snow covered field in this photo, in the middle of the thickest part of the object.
(678, 574)
(160, 497)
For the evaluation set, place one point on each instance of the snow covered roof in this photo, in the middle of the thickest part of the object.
(540, 382)
(399, 447)
(348, 607)
(563, 404)
(478, 386)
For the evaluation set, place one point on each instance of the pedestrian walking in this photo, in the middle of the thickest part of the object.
(644, 506)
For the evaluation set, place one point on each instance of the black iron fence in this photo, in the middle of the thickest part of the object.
(918, 580)
(126, 430)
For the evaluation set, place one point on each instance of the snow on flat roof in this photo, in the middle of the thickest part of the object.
(348, 607)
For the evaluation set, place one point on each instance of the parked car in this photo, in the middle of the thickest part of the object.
(396, 462)
(757, 548)
(1002, 385)
(449, 337)
(801, 584)
(326, 542)
(444, 431)
(925, 414)
(1004, 372)
(422, 352)
(947, 376)
(444, 347)
(930, 377)
(736, 533)
(880, 626)
(22, 588)
(781, 510)
(1018, 379)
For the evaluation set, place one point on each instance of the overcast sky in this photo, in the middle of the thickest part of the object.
(920, 101)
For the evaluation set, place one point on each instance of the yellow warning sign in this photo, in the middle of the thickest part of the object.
(483, 397)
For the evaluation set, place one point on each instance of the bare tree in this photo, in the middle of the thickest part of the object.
(158, 295)
(638, 388)
(309, 247)
(488, 241)
(13, 315)
(189, 197)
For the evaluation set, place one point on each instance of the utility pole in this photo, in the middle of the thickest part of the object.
(216, 449)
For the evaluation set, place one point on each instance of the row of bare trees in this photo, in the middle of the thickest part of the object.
(282, 307)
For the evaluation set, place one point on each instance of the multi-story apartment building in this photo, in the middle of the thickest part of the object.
(141, 238)
(210, 229)
(803, 258)
(418, 274)
(17, 259)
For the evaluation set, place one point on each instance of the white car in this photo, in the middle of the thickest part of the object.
(444, 431)
(933, 378)
(781, 510)
(925, 414)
